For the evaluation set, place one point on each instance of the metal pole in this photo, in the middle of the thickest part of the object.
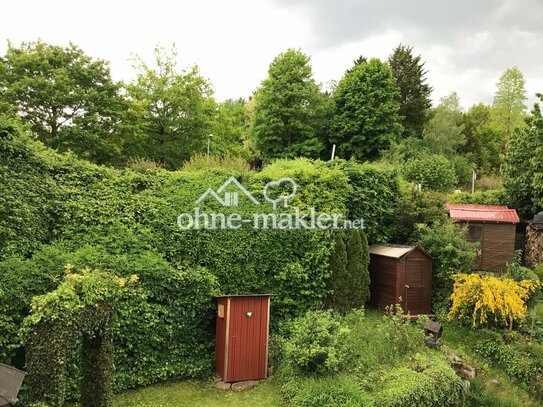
(209, 143)
(333, 151)
(473, 178)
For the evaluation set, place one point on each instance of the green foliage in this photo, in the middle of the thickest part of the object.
(444, 133)
(289, 115)
(231, 130)
(524, 165)
(431, 384)
(521, 361)
(389, 365)
(358, 261)
(201, 162)
(334, 391)
(349, 282)
(434, 172)
(373, 197)
(517, 271)
(483, 140)
(27, 201)
(317, 345)
(462, 168)
(67, 98)
(414, 96)
(491, 197)
(416, 208)
(338, 268)
(508, 108)
(366, 118)
(97, 371)
(84, 303)
(174, 111)
(451, 254)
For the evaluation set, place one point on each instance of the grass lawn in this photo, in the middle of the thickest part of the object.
(502, 391)
(198, 394)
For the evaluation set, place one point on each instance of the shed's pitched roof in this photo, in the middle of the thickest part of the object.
(396, 251)
(483, 213)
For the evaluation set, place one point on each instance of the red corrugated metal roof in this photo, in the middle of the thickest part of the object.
(483, 213)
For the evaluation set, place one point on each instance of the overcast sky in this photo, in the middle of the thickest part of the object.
(466, 44)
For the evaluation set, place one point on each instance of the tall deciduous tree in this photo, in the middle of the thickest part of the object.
(68, 99)
(289, 116)
(508, 107)
(414, 97)
(444, 132)
(483, 142)
(366, 109)
(178, 111)
(523, 169)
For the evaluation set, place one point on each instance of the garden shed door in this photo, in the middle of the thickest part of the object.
(247, 350)
(241, 351)
(418, 283)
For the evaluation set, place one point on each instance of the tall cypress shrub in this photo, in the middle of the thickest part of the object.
(349, 263)
(338, 283)
(358, 260)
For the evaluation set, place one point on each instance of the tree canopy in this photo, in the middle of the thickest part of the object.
(444, 132)
(289, 115)
(366, 107)
(508, 106)
(66, 97)
(177, 111)
(414, 93)
(523, 168)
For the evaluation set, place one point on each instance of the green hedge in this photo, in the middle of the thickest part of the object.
(63, 210)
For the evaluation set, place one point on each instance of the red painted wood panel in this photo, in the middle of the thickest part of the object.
(247, 340)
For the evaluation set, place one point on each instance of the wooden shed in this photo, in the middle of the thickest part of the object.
(241, 346)
(401, 274)
(494, 227)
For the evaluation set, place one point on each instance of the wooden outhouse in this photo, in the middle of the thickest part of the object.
(494, 227)
(241, 345)
(401, 274)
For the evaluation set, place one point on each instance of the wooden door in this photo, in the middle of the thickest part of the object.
(418, 281)
(248, 339)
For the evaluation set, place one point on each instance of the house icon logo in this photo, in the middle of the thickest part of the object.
(230, 198)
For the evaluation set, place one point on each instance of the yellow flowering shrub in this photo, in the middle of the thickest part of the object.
(488, 298)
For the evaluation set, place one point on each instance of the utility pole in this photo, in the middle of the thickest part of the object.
(473, 178)
(333, 151)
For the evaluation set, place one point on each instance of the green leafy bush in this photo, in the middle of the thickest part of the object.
(451, 253)
(317, 345)
(416, 208)
(373, 195)
(434, 172)
(430, 384)
(28, 192)
(490, 197)
(462, 168)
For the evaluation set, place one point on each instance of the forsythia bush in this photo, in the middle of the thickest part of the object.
(485, 297)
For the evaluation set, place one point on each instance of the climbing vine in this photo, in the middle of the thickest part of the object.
(82, 306)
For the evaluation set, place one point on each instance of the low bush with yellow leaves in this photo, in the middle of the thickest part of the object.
(489, 299)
